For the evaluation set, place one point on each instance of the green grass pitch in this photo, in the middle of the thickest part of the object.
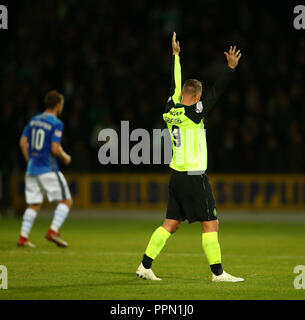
(104, 254)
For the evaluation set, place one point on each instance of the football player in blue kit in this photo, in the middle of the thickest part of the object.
(40, 144)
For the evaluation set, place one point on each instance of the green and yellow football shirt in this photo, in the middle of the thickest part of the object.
(186, 123)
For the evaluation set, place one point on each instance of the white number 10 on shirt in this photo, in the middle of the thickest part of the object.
(38, 136)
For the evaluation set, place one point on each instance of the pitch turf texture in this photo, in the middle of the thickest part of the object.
(104, 254)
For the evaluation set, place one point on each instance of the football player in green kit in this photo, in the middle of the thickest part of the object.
(190, 193)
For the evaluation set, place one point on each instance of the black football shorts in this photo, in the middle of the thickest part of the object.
(191, 198)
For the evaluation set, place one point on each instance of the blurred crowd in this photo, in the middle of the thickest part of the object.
(112, 59)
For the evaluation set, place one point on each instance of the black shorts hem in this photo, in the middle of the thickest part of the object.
(191, 220)
(191, 198)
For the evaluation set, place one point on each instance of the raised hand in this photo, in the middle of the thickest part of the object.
(175, 44)
(233, 57)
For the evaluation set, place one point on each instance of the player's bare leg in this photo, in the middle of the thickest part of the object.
(27, 224)
(60, 215)
(171, 225)
(155, 245)
(211, 248)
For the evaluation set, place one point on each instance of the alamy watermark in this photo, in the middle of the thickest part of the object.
(3, 277)
(299, 281)
(140, 152)
(3, 17)
(299, 20)
(189, 143)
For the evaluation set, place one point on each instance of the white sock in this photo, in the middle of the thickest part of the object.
(60, 215)
(27, 222)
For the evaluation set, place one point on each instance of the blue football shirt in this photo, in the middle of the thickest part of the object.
(41, 131)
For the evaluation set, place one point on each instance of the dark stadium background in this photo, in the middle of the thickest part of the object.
(111, 59)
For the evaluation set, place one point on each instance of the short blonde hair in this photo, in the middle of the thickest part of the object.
(192, 87)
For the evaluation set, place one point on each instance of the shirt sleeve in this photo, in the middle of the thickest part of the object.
(175, 90)
(200, 110)
(57, 132)
(26, 131)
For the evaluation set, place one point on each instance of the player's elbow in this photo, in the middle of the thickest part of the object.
(55, 149)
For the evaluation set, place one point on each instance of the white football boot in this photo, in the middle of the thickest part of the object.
(226, 277)
(146, 273)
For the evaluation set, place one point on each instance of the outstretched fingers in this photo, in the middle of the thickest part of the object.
(233, 52)
(233, 56)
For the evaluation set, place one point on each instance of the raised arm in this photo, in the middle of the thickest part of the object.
(175, 90)
(199, 111)
(222, 82)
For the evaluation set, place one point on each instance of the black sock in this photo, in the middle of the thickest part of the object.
(147, 262)
(216, 269)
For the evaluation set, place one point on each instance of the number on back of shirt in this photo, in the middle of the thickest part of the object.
(176, 132)
(37, 138)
